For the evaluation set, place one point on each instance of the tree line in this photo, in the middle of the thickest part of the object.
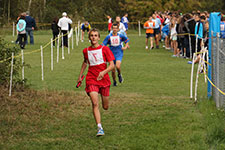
(96, 11)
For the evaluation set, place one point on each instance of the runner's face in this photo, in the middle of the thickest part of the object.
(117, 19)
(115, 29)
(94, 37)
(153, 16)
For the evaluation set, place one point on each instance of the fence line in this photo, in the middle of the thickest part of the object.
(42, 59)
(77, 40)
(202, 67)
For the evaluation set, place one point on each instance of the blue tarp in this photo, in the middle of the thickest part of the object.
(214, 27)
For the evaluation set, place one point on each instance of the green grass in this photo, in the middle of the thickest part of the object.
(150, 110)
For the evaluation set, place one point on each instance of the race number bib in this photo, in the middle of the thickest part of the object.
(150, 24)
(115, 40)
(95, 57)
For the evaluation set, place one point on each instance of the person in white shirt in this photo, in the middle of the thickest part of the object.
(64, 25)
(173, 37)
(121, 25)
(156, 29)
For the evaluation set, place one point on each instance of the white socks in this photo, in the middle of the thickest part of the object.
(99, 125)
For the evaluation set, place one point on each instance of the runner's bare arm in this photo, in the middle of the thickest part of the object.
(109, 68)
(83, 67)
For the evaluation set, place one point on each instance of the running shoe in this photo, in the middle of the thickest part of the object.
(120, 78)
(100, 132)
(157, 47)
(189, 62)
(167, 47)
(114, 83)
(146, 47)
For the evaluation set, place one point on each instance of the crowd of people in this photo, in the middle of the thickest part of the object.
(183, 34)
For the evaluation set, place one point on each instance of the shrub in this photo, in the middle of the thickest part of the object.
(5, 64)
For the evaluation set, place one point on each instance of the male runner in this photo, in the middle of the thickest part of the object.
(125, 21)
(85, 26)
(97, 79)
(114, 40)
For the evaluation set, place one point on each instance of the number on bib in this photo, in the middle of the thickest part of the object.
(95, 57)
(115, 40)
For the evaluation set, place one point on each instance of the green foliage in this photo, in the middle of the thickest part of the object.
(5, 66)
(46, 10)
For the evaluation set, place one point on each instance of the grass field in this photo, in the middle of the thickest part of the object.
(150, 110)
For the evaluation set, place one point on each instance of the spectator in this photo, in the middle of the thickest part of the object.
(149, 25)
(63, 23)
(55, 29)
(17, 20)
(222, 27)
(21, 28)
(31, 24)
(190, 27)
(181, 37)
(165, 35)
(173, 37)
(199, 31)
(156, 29)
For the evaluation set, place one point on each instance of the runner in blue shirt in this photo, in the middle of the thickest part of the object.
(125, 21)
(85, 26)
(114, 40)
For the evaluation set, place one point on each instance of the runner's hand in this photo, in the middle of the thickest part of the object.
(124, 48)
(100, 76)
(79, 79)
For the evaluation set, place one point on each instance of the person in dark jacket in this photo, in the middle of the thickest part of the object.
(190, 27)
(55, 29)
(181, 38)
(31, 24)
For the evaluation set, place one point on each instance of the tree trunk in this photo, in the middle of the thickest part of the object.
(44, 4)
(29, 5)
(8, 11)
(4, 9)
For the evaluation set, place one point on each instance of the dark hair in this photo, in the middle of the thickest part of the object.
(22, 17)
(93, 30)
(56, 20)
(115, 24)
(202, 17)
(223, 18)
(187, 16)
(197, 14)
